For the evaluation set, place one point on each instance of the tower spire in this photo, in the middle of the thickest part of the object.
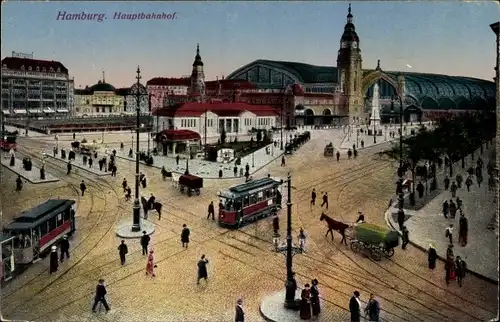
(197, 49)
(103, 77)
(349, 15)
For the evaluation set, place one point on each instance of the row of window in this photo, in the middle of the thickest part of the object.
(43, 69)
(264, 121)
(188, 123)
(251, 199)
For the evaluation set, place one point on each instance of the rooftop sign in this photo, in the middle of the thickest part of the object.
(22, 55)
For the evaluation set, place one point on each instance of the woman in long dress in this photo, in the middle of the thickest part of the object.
(432, 256)
(305, 303)
(150, 265)
(315, 304)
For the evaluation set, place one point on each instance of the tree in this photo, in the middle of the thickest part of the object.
(259, 136)
(223, 136)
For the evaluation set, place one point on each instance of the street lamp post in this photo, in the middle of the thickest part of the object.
(290, 250)
(136, 210)
(187, 167)
(253, 159)
(281, 117)
(400, 171)
(357, 138)
(374, 132)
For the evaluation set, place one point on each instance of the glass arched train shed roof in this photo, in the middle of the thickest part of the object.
(427, 91)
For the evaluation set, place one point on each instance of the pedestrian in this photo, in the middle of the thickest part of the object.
(313, 197)
(446, 208)
(122, 250)
(276, 224)
(305, 303)
(211, 210)
(74, 136)
(401, 218)
(302, 239)
(84, 160)
(128, 193)
(100, 296)
(247, 168)
(446, 183)
(453, 209)
(432, 256)
(239, 313)
(145, 242)
(449, 267)
(355, 153)
(405, 237)
(468, 183)
(54, 260)
(479, 180)
(283, 161)
(459, 180)
(143, 182)
(453, 189)
(69, 167)
(349, 154)
(113, 171)
(315, 301)
(124, 185)
(150, 266)
(90, 162)
(101, 164)
(19, 183)
(83, 187)
(325, 200)
(202, 269)
(449, 233)
(463, 229)
(64, 248)
(338, 156)
(185, 236)
(372, 309)
(449, 252)
(235, 170)
(362, 144)
(177, 160)
(459, 203)
(461, 270)
(355, 307)
(420, 190)
(54, 150)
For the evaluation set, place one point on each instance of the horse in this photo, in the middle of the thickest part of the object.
(334, 225)
(146, 206)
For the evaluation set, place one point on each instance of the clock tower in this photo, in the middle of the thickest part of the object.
(350, 73)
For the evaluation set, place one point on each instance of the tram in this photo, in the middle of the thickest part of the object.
(249, 202)
(8, 140)
(37, 229)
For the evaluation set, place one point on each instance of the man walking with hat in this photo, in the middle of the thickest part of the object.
(355, 307)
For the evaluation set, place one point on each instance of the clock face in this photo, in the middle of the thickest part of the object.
(343, 45)
(354, 45)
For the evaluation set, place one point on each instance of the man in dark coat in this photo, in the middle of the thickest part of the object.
(276, 224)
(461, 269)
(338, 156)
(405, 237)
(90, 162)
(83, 187)
(54, 260)
(185, 236)
(177, 159)
(151, 202)
(19, 183)
(283, 161)
(401, 218)
(122, 250)
(446, 208)
(202, 269)
(69, 167)
(355, 307)
(100, 296)
(463, 229)
(145, 242)
(372, 309)
(313, 197)
(432, 256)
(64, 248)
(211, 210)
(446, 183)
(420, 190)
(325, 200)
(239, 313)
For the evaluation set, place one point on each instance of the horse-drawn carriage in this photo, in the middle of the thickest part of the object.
(328, 152)
(190, 184)
(378, 241)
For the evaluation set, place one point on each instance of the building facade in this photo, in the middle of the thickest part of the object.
(99, 100)
(211, 119)
(36, 88)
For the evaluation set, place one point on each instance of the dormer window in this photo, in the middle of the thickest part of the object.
(37, 68)
(22, 67)
(51, 69)
(44, 69)
(29, 68)
(59, 70)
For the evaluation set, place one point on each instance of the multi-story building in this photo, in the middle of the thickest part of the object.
(101, 99)
(35, 88)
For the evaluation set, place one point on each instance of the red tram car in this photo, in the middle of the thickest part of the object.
(8, 141)
(249, 202)
(37, 229)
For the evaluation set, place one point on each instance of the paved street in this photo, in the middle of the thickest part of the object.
(241, 262)
(428, 225)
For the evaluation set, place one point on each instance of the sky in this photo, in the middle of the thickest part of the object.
(446, 37)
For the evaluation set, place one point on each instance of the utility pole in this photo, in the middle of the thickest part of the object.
(205, 134)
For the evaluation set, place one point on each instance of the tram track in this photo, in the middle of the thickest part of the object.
(100, 185)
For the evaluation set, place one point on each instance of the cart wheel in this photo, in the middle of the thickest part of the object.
(389, 252)
(197, 192)
(356, 246)
(189, 192)
(376, 254)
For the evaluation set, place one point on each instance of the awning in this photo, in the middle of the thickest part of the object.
(62, 110)
(5, 112)
(179, 135)
(48, 110)
(35, 111)
(19, 111)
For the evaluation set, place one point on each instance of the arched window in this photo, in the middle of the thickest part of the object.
(29, 68)
(37, 68)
